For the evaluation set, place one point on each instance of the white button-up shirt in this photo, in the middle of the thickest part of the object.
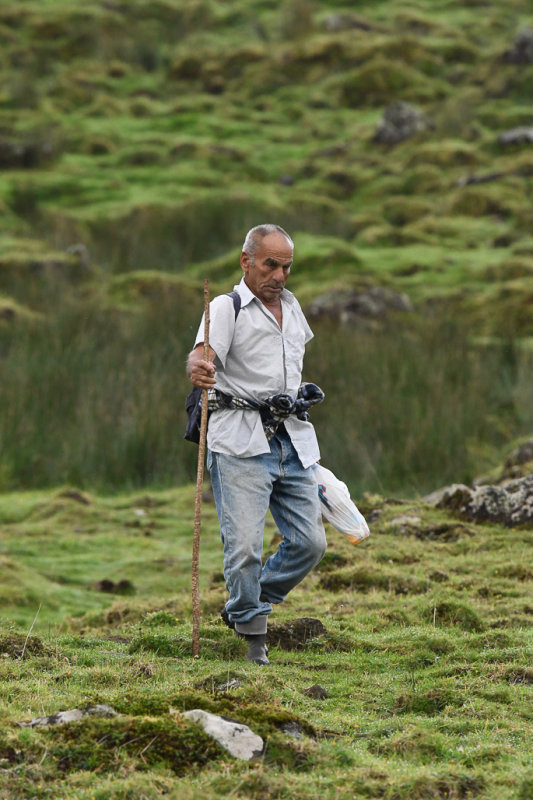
(255, 358)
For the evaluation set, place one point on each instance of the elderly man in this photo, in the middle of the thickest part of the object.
(261, 446)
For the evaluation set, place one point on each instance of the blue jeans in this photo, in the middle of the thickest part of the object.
(244, 489)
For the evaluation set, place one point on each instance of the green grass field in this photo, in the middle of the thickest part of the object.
(425, 658)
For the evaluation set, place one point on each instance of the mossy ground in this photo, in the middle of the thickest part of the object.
(425, 659)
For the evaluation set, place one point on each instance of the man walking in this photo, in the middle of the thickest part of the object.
(261, 447)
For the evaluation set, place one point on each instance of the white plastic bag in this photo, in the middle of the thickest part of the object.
(337, 506)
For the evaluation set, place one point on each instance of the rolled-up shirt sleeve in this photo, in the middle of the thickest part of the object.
(221, 327)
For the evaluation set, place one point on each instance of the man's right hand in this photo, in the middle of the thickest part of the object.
(201, 372)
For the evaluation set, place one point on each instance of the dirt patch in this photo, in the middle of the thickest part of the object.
(295, 635)
(16, 645)
(364, 580)
(123, 586)
(439, 576)
(517, 572)
(76, 496)
(331, 561)
(520, 675)
(444, 533)
(450, 786)
(317, 692)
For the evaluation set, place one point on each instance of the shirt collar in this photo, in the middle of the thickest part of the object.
(247, 296)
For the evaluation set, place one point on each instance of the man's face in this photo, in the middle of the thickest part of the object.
(267, 276)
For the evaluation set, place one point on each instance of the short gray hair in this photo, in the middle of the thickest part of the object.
(254, 236)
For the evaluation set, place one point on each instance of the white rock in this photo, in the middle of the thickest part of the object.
(237, 739)
(73, 715)
(405, 519)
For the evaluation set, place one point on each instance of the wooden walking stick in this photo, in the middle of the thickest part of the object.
(199, 482)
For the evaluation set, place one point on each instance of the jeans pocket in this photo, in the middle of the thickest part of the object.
(209, 460)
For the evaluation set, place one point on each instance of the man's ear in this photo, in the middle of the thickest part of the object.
(245, 261)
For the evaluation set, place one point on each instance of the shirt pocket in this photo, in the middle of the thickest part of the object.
(294, 344)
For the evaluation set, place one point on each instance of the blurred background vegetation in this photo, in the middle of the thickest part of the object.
(140, 140)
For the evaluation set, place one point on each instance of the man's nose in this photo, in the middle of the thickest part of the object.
(279, 275)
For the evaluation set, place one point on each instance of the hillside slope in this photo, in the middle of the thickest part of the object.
(155, 133)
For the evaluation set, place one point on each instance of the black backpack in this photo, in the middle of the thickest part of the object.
(193, 403)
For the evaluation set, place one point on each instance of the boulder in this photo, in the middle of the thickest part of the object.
(519, 135)
(401, 121)
(509, 505)
(357, 305)
(234, 737)
(522, 49)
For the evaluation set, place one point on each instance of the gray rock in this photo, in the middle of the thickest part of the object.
(357, 305)
(227, 687)
(522, 49)
(521, 455)
(474, 180)
(520, 135)
(73, 715)
(345, 22)
(292, 729)
(401, 121)
(405, 519)
(509, 505)
(81, 252)
(286, 180)
(440, 495)
(234, 737)
(487, 503)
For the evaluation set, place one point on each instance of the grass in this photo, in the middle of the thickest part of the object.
(427, 689)
(107, 375)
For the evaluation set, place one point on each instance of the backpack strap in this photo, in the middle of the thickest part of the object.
(235, 296)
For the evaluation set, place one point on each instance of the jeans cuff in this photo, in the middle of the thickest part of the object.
(256, 626)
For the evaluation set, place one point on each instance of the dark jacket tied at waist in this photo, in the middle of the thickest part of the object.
(275, 409)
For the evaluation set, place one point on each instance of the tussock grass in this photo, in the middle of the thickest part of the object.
(107, 375)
